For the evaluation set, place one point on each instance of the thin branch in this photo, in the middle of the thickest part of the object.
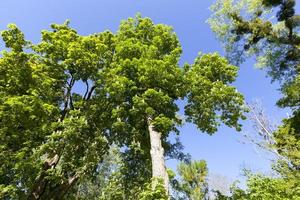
(70, 90)
(68, 98)
(87, 89)
(263, 129)
(261, 122)
(90, 93)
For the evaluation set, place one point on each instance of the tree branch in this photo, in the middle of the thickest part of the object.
(41, 183)
(68, 98)
(87, 89)
(90, 93)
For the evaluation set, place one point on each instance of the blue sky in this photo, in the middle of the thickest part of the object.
(223, 152)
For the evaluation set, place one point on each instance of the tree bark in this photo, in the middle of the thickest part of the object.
(59, 191)
(41, 183)
(157, 157)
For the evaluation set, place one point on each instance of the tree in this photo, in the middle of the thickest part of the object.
(263, 187)
(284, 181)
(193, 181)
(246, 29)
(50, 135)
(146, 81)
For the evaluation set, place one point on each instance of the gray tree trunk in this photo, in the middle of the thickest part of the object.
(157, 157)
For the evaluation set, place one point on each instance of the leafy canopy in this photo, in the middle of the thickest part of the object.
(52, 136)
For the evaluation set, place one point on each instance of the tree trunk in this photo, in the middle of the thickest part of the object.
(59, 191)
(41, 183)
(157, 157)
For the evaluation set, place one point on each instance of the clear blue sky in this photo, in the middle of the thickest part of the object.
(222, 151)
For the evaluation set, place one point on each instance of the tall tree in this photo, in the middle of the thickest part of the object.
(50, 135)
(250, 28)
(146, 81)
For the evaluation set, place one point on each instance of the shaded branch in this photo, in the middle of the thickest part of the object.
(68, 98)
(90, 93)
(41, 183)
(87, 89)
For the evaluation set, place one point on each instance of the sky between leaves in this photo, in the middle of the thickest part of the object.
(224, 153)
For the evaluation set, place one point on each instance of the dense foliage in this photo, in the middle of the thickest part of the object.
(246, 28)
(68, 99)
(90, 117)
(192, 183)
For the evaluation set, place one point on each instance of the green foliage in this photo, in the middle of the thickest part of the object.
(145, 77)
(117, 179)
(245, 29)
(276, 45)
(95, 185)
(51, 137)
(40, 120)
(291, 94)
(157, 193)
(14, 38)
(265, 188)
(145, 81)
(288, 141)
(193, 181)
(211, 99)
